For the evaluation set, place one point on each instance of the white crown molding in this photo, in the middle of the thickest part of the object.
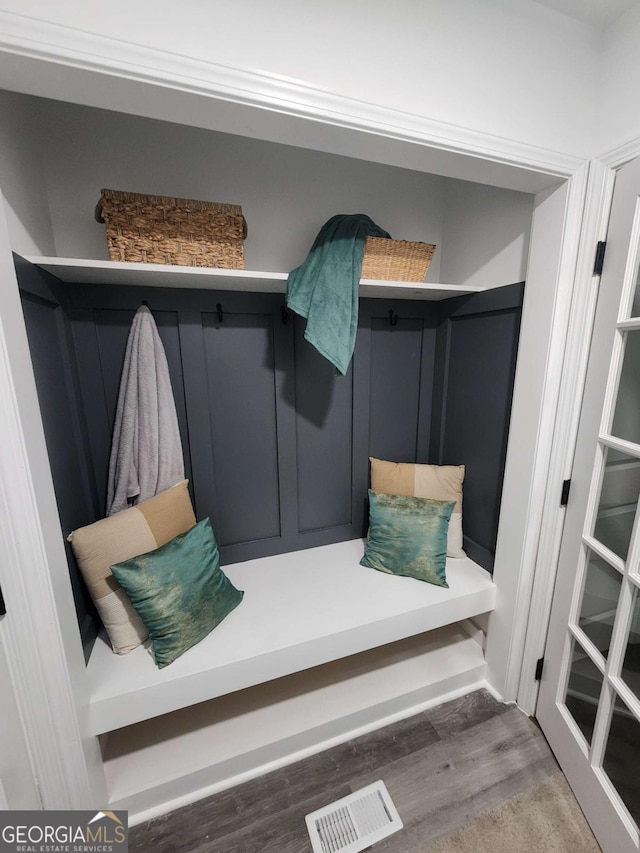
(617, 157)
(54, 43)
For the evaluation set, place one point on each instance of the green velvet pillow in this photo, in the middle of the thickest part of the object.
(408, 536)
(179, 591)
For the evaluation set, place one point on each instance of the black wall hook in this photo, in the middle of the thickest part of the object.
(220, 313)
(393, 318)
(145, 303)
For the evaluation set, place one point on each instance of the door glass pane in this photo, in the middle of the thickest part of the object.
(618, 502)
(622, 757)
(599, 601)
(631, 664)
(583, 690)
(626, 420)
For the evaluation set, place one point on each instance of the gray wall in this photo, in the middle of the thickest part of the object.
(474, 374)
(58, 393)
(276, 445)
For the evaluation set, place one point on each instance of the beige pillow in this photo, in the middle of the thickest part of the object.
(438, 482)
(120, 537)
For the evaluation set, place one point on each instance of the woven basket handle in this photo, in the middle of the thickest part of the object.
(245, 229)
(98, 213)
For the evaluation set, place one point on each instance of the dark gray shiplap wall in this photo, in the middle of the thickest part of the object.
(475, 370)
(276, 445)
(58, 392)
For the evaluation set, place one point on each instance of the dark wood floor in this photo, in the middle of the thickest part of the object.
(442, 767)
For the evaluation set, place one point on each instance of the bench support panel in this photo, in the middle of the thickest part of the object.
(156, 766)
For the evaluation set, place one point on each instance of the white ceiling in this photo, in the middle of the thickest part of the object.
(598, 13)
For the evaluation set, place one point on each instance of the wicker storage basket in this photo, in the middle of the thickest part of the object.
(396, 260)
(162, 230)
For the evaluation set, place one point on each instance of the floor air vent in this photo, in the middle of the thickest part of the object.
(354, 822)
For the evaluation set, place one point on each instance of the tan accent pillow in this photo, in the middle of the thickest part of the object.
(438, 482)
(120, 537)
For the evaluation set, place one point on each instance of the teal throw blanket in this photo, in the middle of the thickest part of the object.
(324, 289)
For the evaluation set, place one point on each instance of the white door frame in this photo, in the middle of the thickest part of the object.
(550, 277)
(48, 670)
(582, 753)
(574, 366)
(597, 209)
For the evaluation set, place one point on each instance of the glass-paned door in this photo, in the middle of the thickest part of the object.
(589, 705)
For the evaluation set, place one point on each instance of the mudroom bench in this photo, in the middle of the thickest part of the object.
(300, 610)
(320, 650)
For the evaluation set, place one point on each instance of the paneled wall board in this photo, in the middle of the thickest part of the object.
(324, 429)
(64, 429)
(239, 370)
(477, 350)
(276, 445)
(396, 378)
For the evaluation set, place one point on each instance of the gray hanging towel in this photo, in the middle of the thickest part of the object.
(324, 288)
(146, 451)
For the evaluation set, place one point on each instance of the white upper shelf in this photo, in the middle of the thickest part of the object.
(80, 271)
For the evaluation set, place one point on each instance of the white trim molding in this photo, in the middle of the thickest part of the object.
(574, 366)
(61, 45)
(552, 265)
(594, 228)
(40, 662)
(619, 156)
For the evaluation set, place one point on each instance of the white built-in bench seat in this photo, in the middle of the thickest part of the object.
(300, 610)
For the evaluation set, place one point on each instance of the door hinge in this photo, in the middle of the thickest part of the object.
(539, 667)
(564, 497)
(599, 261)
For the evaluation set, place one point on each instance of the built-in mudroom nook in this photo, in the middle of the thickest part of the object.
(280, 449)
(319, 434)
